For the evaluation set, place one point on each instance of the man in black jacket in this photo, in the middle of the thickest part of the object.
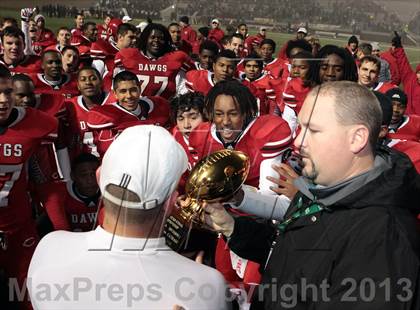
(349, 238)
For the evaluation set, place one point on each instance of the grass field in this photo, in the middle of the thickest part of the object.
(54, 23)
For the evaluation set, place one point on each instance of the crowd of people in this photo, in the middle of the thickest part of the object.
(101, 126)
(358, 15)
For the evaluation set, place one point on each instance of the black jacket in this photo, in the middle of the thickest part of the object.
(361, 252)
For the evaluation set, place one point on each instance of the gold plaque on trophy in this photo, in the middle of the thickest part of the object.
(217, 176)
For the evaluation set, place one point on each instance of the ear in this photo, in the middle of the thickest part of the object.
(359, 138)
(98, 174)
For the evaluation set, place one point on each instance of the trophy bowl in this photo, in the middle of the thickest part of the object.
(217, 176)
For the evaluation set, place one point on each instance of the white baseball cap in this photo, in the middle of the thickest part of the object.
(215, 20)
(146, 160)
(126, 19)
(303, 30)
(142, 25)
(375, 46)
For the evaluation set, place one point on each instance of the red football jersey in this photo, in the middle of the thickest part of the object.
(253, 41)
(66, 88)
(383, 87)
(199, 81)
(30, 64)
(261, 89)
(44, 39)
(107, 121)
(157, 76)
(266, 137)
(102, 32)
(75, 32)
(275, 68)
(409, 129)
(81, 138)
(81, 212)
(83, 44)
(294, 95)
(17, 144)
(216, 35)
(409, 148)
(105, 51)
(188, 34)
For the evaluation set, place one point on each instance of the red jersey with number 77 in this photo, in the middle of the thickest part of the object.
(157, 76)
(18, 143)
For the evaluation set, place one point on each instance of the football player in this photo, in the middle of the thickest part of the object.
(122, 35)
(203, 80)
(368, 71)
(79, 20)
(408, 147)
(74, 205)
(234, 124)
(24, 91)
(207, 55)
(130, 109)
(13, 53)
(258, 83)
(89, 83)
(20, 137)
(158, 67)
(177, 42)
(335, 64)
(402, 126)
(232, 111)
(70, 59)
(187, 113)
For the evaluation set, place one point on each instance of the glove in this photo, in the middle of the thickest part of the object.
(26, 14)
(396, 40)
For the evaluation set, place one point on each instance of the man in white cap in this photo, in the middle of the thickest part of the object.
(216, 34)
(301, 33)
(252, 43)
(125, 264)
(126, 19)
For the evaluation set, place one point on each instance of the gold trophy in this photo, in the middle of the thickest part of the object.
(217, 176)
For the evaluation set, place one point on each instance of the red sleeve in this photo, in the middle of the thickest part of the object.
(100, 118)
(96, 50)
(406, 72)
(52, 196)
(127, 58)
(274, 134)
(189, 80)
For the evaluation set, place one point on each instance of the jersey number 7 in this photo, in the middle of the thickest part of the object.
(145, 80)
(9, 174)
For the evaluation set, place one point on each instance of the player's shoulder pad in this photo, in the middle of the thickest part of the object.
(128, 52)
(102, 117)
(272, 130)
(128, 57)
(194, 74)
(49, 123)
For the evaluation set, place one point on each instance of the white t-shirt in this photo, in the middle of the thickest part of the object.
(95, 270)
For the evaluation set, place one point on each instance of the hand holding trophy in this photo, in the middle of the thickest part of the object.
(216, 177)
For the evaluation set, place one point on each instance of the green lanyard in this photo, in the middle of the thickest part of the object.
(312, 209)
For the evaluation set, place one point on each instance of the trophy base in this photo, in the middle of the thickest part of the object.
(176, 232)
